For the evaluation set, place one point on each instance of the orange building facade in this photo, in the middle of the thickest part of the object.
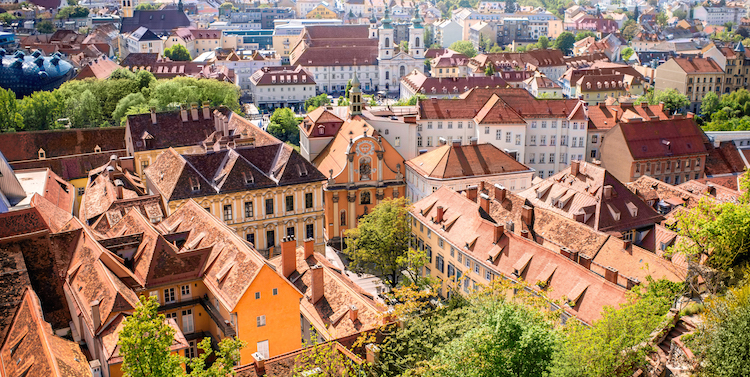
(362, 167)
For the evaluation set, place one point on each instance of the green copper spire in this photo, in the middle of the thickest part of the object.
(387, 20)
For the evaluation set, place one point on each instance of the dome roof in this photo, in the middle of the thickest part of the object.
(25, 74)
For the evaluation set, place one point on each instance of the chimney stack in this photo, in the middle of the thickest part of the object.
(632, 282)
(95, 315)
(225, 126)
(439, 215)
(456, 143)
(206, 110)
(499, 231)
(473, 141)
(526, 215)
(353, 311)
(617, 115)
(260, 364)
(153, 115)
(373, 353)
(484, 202)
(525, 234)
(318, 283)
(119, 188)
(499, 192)
(194, 111)
(610, 274)
(627, 246)
(574, 255)
(575, 167)
(607, 192)
(309, 247)
(471, 193)
(288, 256)
(584, 260)
(183, 114)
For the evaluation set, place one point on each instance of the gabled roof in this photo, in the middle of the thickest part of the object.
(604, 117)
(32, 348)
(474, 160)
(331, 313)
(282, 75)
(516, 257)
(495, 111)
(337, 45)
(420, 83)
(693, 65)
(661, 138)
(580, 195)
(159, 21)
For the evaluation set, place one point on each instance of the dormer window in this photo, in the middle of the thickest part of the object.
(321, 130)
(248, 178)
(97, 149)
(42, 154)
(195, 184)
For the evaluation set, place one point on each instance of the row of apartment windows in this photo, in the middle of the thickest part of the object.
(271, 236)
(575, 141)
(666, 166)
(250, 212)
(459, 125)
(553, 124)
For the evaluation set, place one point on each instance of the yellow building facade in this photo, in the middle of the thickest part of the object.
(321, 11)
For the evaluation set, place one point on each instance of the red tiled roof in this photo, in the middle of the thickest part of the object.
(450, 161)
(100, 68)
(693, 65)
(420, 83)
(602, 117)
(338, 45)
(723, 160)
(473, 234)
(283, 75)
(672, 137)
(497, 111)
(450, 58)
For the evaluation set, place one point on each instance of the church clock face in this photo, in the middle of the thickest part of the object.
(365, 147)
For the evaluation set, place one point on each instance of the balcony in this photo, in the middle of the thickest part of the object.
(223, 324)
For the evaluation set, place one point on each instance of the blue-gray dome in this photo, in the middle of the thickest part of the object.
(25, 74)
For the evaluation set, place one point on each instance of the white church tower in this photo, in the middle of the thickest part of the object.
(416, 36)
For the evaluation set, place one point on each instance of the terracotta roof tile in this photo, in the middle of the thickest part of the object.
(725, 159)
(418, 82)
(698, 65)
(602, 117)
(283, 75)
(449, 161)
(33, 349)
(659, 138)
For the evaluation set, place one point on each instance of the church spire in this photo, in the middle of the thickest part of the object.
(355, 98)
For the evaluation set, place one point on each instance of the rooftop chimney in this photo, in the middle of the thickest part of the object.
(95, 316)
(183, 114)
(473, 141)
(526, 215)
(499, 192)
(118, 188)
(610, 274)
(317, 282)
(373, 353)
(288, 256)
(206, 110)
(632, 282)
(153, 115)
(260, 363)
(584, 260)
(471, 193)
(617, 115)
(439, 215)
(575, 167)
(309, 247)
(607, 192)
(484, 202)
(194, 111)
(353, 311)
(499, 230)
(525, 234)
(456, 143)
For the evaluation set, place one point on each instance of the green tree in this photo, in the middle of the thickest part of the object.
(144, 343)
(348, 88)
(7, 18)
(614, 345)
(489, 70)
(510, 340)
(225, 359)
(381, 240)
(40, 110)
(629, 29)
(680, 14)
(710, 103)
(565, 42)
(543, 42)
(313, 103)
(403, 46)
(496, 49)
(722, 341)
(85, 111)
(226, 8)
(125, 104)
(636, 13)
(328, 359)
(284, 125)
(177, 53)
(626, 53)
(45, 27)
(428, 36)
(72, 2)
(673, 100)
(10, 119)
(146, 6)
(411, 101)
(584, 34)
(72, 12)
(464, 47)
(510, 6)
(662, 19)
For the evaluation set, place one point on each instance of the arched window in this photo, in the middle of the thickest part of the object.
(416, 42)
(342, 221)
(364, 198)
(365, 169)
(387, 75)
(402, 71)
(387, 42)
